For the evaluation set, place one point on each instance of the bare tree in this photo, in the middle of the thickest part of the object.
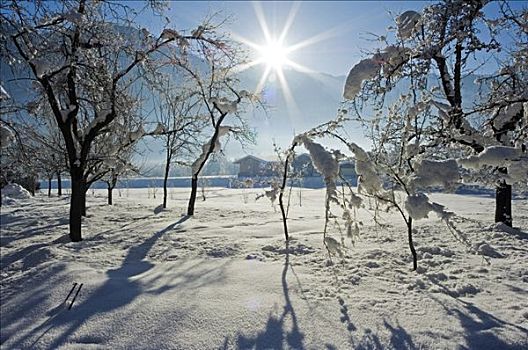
(221, 103)
(81, 56)
(179, 126)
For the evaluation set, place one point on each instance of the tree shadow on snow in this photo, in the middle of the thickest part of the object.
(118, 291)
(274, 335)
(480, 327)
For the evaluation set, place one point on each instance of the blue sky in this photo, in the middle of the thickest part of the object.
(344, 27)
(348, 23)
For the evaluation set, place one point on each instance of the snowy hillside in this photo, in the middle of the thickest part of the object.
(225, 279)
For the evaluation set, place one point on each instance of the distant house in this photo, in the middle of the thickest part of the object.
(303, 166)
(347, 169)
(251, 166)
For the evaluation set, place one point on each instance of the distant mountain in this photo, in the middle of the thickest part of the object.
(315, 98)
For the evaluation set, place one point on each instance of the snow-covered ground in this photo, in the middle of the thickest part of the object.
(224, 279)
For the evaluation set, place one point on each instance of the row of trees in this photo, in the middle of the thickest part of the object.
(92, 78)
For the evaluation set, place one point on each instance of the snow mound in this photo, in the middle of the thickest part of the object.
(15, 191)
(8, 201)
(221, 252)
(294, 249)
(464, 290)
(435, 251)
(502, 227)
(485, 249)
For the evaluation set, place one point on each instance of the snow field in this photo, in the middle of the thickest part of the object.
(225, 279)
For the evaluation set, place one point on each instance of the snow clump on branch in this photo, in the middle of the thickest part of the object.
(498, 156)
(391, 58)
(224, 105)
(435, 173)
(222, 131)
(418, 207)
(324, 162)
(407, 23)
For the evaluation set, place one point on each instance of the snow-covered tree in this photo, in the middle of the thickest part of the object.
(81, 55)
(221, 103)
(436, 52)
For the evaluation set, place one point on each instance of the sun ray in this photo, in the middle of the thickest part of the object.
(299, 67)
(292, 106)
(263, 79)
(259, 12)
(245, 66)
(328, 34)
(289, 21)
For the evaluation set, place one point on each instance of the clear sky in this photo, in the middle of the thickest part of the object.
(337, 33)
(342, 27)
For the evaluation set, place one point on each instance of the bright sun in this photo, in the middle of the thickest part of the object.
(274, 55)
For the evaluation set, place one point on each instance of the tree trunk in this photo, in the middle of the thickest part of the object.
(59, 184)
(210, 150)
(192, 200)
(76, 205)
(167, 169)
(83, 199)
(49, 186)
(110, 188)
(503, 201)
(411, 244)
(32, 186)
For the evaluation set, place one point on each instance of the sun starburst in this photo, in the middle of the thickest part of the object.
(274, 54)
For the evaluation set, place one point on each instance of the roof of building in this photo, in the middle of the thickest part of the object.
(250, 157)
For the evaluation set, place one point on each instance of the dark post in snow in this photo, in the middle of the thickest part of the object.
(283, 186)
(411, 243)
(503, 199)
(49, 185)
(165, 177)
(59, 184)
(110, 187)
